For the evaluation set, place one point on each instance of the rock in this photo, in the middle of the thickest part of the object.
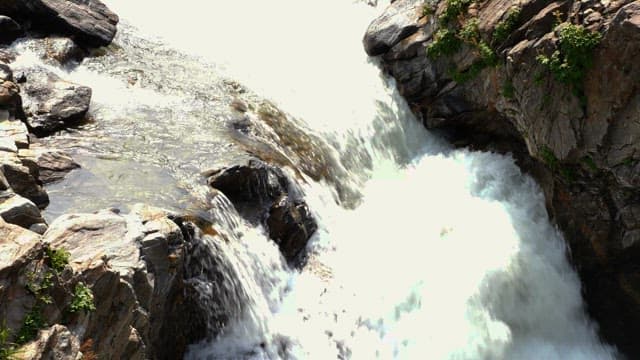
(17, 210)
(9, 93)
(90, 22)
(56, 342)
(5, 73)
(22, 180)
(290, 225)
(13, 129)
(63, 50)
(401, 19)
(51, 104)
(580, 141)
(18, 249)
(50, 165)
(39, 228)
(255, 182)
(9, 30)
(263, 193)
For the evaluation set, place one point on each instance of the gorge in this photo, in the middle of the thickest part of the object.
(242, 181)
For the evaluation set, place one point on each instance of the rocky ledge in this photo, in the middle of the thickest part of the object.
(555, 83)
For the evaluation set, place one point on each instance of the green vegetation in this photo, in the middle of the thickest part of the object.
(32, 323)
(7, 349)
(570, 61)
(506, 26)
(429, 8)
(454, 9)
(58, 259)
(82, 299)
(445, 43)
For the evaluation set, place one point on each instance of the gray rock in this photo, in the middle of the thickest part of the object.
(22, 180)
(17, 210)
(89, 21)
(51, 104)
(401, 19)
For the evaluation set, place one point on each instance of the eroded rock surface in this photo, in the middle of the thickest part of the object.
(135, 270)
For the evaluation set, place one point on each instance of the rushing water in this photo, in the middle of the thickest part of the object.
(441, 253)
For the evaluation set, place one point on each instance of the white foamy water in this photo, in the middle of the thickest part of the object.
(450, 254)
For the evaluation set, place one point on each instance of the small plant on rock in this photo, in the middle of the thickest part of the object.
(572, 58)
(82, 299)
(506, 26)
(7, 349)
(32, 323)
(445, 43)
(58, 259)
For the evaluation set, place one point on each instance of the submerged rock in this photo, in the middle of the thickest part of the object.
(577, 133)
(90, 22)
(51, 104)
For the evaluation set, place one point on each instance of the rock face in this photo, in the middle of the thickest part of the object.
(112, 285)
(51, 104)
(504, 76)
(264, 193)
(90, 22)
(15, 209)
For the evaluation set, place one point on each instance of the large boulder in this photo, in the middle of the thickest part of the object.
(90, 22)
(264, 193)
(51, 104)
(502, 85)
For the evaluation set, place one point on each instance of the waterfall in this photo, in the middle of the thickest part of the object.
(444, 253)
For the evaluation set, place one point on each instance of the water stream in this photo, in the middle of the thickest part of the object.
(423, 251)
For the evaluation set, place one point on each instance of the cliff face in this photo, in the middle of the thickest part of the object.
(557, 84)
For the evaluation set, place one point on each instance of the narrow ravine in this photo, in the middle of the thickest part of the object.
(422, 251)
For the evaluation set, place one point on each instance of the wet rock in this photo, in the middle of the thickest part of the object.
(39, 228)
(290, 225)
(9, 30)
(62, 50)
(51, 104)
(580, 142)
(50, 165)
(90, 22)
(9, 93)
(17, 210)
(264, 193)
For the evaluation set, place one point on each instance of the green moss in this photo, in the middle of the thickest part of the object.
(445, 43)
(32, 323)
(573, 56)
(58, 259)
(506, 26)
(82, 299)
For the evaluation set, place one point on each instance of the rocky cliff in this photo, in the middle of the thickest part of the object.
(557, 84)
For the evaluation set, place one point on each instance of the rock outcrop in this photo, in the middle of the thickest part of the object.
(90, 22)
(555, 83)
(264, 193)
(103, 285)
